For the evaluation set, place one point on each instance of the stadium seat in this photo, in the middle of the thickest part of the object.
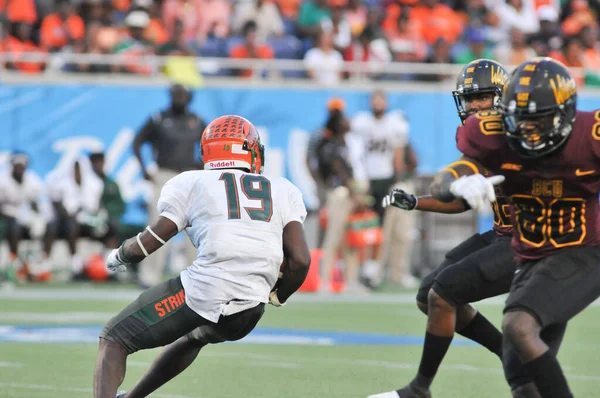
(294, 74)
(307, 44)
(212, 47)
(289, 27)
(457, 49)
(287, 47)
(232, 42)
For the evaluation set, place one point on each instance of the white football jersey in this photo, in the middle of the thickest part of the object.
(63, 188)
(235, 220)
(381, 137)
(15, 198)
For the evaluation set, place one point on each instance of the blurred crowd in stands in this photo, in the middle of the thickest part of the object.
(323, 33)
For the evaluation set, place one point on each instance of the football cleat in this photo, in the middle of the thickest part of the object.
(389, 394)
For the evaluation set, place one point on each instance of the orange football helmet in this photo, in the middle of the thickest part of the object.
(230, 142)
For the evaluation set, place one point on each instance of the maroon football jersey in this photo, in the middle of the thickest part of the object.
(554, 199)
(501, 208)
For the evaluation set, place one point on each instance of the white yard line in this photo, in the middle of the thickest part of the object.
(374, 363)
(119, 294)
(263, 360)
(56, 317)
(11, 365)
(22, 386)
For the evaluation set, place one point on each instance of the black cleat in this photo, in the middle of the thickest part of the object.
(413, 392)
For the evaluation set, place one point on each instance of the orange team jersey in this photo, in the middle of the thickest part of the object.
(16, 48)
(19, 10)
(437, 22)
(554, 199)
(54, 30)
(156, 33)
(241, 51)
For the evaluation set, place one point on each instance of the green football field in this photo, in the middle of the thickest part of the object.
(314, 347)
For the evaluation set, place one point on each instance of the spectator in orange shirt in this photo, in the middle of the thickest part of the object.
(21, 43)
(19, 10)
(251, 49)
(392, 12)
(581, 16)
(437, 21)
(62, 28)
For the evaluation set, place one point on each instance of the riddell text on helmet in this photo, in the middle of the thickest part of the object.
(221, 164)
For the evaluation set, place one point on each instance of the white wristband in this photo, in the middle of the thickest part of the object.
(139, 242)
(158, 238)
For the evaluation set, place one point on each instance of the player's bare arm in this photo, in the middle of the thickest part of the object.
(138, 141)
(440, 187)
(407, 201)
(135, 249)
(468, 183)
(433, 205)
(296, 263)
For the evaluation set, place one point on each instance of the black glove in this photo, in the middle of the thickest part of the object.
(400, 199)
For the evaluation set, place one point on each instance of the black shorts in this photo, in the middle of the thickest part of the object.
(160, 315)
(62, 227)
(480, 267)
(379, 189)
(16, 230)
(558, 287)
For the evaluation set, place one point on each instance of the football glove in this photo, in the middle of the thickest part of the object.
(114, 262)
(274, 300)
(400, 199)
(476, 190)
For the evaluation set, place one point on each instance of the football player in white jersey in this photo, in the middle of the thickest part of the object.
(244, 226)
(21, 206)
(385, 135)
(389, 162)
